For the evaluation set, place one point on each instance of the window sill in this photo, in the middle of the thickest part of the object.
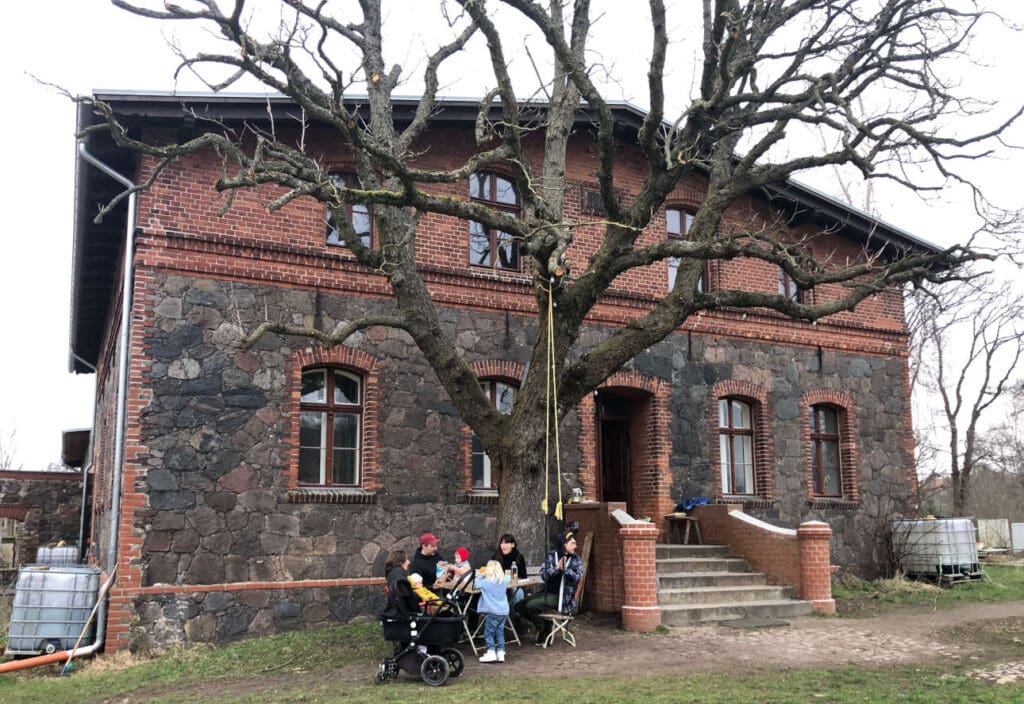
(313, 495)
(481, 497)
(833, 502)
(747, 501)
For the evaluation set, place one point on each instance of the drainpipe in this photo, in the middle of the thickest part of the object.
(85, 469)
(128, 271)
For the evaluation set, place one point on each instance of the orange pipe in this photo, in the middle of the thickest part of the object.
(32, 662)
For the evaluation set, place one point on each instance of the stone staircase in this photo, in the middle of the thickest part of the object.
(701, 583)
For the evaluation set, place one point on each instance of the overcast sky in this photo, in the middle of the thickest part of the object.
(87, 44)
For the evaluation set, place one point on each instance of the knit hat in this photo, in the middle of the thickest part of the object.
(428, 539)
(461, 554)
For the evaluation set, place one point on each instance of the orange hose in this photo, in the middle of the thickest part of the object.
(32, 662)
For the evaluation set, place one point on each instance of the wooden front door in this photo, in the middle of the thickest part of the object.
(616, 458)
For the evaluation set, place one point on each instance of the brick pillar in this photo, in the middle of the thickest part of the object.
(640, 610)
(815, 566)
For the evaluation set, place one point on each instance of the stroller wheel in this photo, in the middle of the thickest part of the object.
(382, 674)
(434, 670)
(456, 663)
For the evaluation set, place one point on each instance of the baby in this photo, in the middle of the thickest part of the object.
(430, 600)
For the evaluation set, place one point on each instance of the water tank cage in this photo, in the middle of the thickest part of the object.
(51, 605)
(941, 549)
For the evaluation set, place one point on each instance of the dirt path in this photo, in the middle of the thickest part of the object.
(960, 634)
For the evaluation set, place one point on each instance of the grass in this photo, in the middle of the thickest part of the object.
(908, 685)
(859, 598)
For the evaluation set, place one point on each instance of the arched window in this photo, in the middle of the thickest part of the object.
(489, 247)
(736, 446)
(789, 288)
(330, 414)
(677, 226)
(826, 469)
(503, 396)
(359, 215)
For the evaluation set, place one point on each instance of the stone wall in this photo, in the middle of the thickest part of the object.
(214, 502)
(48, 504)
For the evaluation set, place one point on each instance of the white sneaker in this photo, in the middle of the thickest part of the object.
(501, 656)
(489, 656)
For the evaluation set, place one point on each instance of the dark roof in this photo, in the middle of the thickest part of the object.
(97, 247)
(75, 447)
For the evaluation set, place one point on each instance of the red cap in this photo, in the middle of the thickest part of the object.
(428, 539)
(461, 554)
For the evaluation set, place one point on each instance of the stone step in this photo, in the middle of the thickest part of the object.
(663, 551)
(723, 595)
(685, 615)
(675, 565)
(692, 580)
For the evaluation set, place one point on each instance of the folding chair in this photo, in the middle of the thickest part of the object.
(559, 621)
(461, 600)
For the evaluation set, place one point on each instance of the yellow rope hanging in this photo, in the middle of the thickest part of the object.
(551, 409)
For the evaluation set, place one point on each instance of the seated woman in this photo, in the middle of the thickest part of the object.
(401, 599)
(508, 555)
(561, 572)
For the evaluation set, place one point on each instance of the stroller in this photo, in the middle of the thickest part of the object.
(410, 629)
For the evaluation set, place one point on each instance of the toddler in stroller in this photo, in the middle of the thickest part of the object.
(423, 641)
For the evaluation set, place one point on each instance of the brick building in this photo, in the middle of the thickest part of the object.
(235, 519)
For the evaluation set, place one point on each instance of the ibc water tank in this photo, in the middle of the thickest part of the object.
(61, 555)
(51, 606)
(940, 548)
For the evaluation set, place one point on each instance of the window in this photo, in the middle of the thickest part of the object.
(736, 446)
(503, 396)
(488, 247)
(330, 412)
(677, 226)
(358, 214)
(826, 476)
(789, 288)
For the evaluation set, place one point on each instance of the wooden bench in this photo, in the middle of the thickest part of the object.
(678, 528)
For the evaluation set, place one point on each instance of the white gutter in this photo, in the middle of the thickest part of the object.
(128, 280)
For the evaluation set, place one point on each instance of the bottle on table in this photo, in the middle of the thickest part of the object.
(515, 572)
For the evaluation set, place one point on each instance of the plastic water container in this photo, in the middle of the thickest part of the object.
(51, 606)
(936, 547)
(63, 555)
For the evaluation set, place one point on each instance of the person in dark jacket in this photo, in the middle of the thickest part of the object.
(425, 561)
(561, 572)
(401, 599)
(508, 554)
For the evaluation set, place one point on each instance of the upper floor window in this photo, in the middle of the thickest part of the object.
(826, 474)
(503, 396)
(789, 288)
(330, 414)
(736, 446)
(359, 215)
(489, 247)
(677, 226)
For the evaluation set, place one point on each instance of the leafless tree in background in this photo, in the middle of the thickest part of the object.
(9, 451)
(769, 72)
(967, 347)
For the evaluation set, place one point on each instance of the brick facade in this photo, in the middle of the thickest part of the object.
(217, 540)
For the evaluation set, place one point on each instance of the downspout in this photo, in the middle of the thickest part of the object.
(85, 469)
(128, 271)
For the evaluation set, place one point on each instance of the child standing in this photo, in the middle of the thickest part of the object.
(494, 606)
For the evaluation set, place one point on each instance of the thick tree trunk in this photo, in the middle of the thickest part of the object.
(522, 477)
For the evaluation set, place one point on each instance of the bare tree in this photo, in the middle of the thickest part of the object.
(967, 346)
(9, 451)
(769, 72)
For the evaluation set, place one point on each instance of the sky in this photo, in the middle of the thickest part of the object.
(83, 45)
